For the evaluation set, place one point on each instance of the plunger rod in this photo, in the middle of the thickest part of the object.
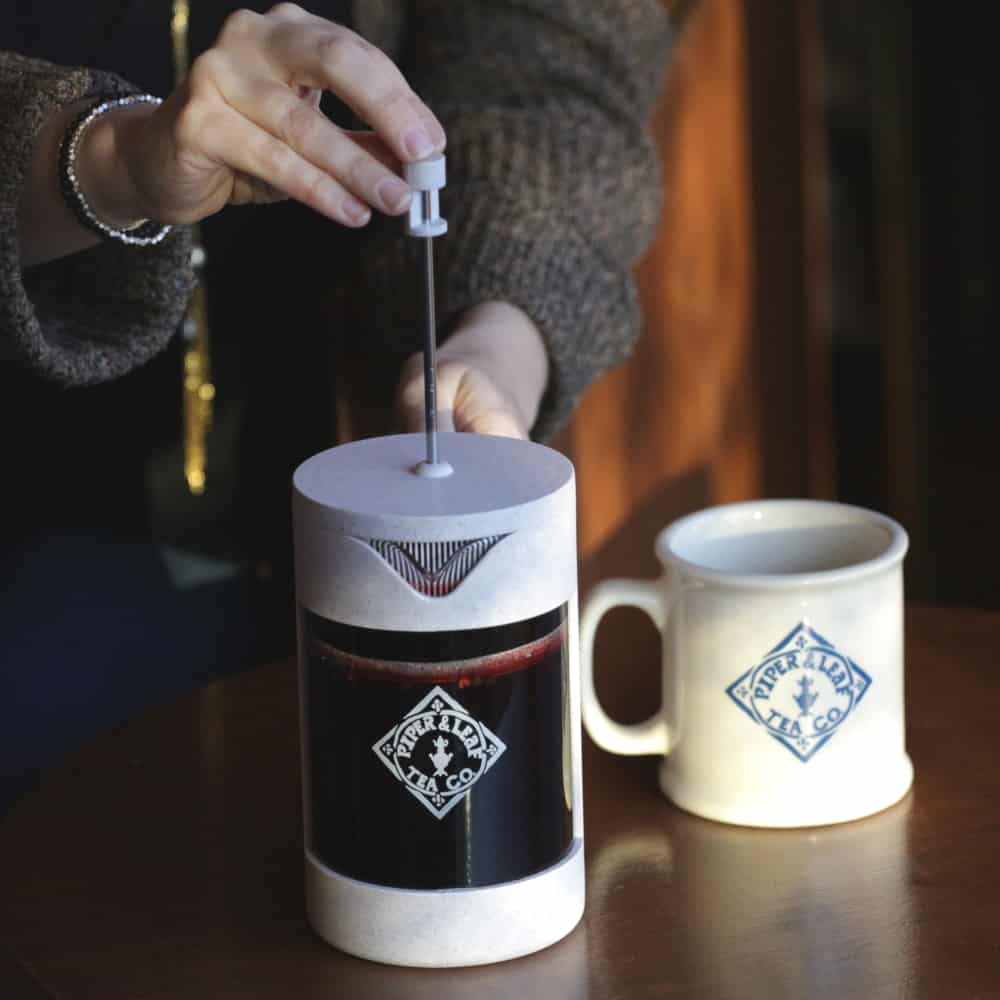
(427, 177)
(430, 351)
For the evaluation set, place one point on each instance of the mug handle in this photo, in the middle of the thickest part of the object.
(653, 735)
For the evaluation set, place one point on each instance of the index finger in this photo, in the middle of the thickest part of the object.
(318, 53)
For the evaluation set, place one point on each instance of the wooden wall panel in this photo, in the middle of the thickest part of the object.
(787, 204)
(676, 427)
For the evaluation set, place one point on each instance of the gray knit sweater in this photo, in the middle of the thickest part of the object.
(553, 192)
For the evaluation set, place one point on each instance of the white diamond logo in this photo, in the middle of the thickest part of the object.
(438, 751)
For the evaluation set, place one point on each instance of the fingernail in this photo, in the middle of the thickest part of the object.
(438, 138)
(355, 212)
(393, 194)
(417, 142)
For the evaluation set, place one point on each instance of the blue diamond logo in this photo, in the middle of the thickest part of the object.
(802, 692)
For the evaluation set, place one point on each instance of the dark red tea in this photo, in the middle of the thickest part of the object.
(438, 759)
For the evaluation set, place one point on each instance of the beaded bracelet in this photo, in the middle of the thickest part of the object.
(145, 233)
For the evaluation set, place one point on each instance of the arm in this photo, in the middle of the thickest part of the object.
(243, 126)
(553, 185)
(93, 315)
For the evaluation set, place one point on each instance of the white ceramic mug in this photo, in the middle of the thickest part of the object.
(782, 625)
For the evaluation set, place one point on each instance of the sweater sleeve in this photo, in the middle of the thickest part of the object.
(553, 187)
(92, 315)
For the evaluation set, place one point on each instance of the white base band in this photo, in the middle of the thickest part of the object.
(865, 800)
(447, 927)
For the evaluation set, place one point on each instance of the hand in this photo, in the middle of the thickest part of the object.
(491, 375)
(245, 126)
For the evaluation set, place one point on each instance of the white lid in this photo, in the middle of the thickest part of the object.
(375, 481)
(362, 514)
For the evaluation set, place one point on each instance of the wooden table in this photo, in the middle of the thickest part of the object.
(165, 861)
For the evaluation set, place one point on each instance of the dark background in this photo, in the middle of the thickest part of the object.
(908, 90)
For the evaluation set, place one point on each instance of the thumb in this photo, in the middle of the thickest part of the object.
(410, 408)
